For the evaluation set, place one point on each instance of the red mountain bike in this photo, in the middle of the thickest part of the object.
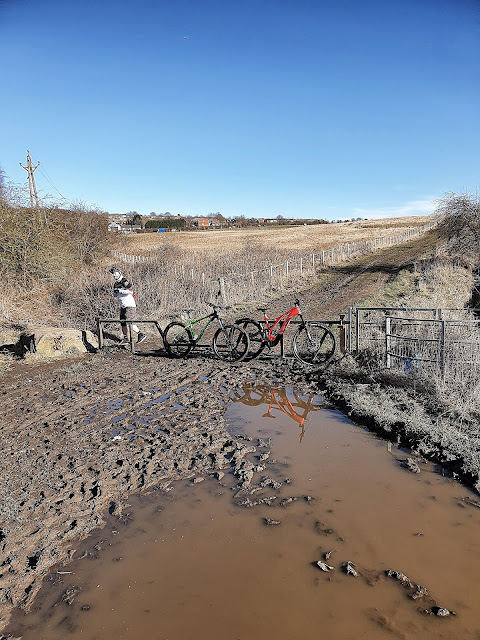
(312, 343)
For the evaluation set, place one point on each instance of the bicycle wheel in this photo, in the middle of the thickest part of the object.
(313, 343)
(230, 343)
(255, 336)
(178, 340)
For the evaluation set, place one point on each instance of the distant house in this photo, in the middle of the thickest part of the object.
(201, 223)
(119, 218)
(114, 226)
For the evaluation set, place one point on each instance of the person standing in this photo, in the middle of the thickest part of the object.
(123, 291)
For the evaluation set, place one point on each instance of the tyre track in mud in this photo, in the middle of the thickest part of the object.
(91, 439)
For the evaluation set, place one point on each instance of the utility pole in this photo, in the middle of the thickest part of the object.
(31, 180)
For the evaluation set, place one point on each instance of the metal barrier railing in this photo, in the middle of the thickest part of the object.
(103, 321)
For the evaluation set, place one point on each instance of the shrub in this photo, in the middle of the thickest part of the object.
(47, 243)
(460, 226)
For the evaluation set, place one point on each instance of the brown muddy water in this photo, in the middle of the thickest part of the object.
(194, 564)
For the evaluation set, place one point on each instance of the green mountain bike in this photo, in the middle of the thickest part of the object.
(230, 342)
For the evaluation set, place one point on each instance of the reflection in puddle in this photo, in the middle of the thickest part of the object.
(209, 561)
(284, 399)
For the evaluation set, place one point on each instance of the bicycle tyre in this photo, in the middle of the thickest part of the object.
(230, 343)
(255, 335)
(314, 346)
(178, 340)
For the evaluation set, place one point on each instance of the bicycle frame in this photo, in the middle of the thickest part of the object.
(210, 317)
(275, 331)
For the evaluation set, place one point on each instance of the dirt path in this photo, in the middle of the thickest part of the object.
(78, 438)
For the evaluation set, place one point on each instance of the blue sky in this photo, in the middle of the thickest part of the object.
(307, 108)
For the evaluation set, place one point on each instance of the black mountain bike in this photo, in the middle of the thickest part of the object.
(230, 342)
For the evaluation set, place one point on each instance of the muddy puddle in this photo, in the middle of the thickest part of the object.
(202, 561)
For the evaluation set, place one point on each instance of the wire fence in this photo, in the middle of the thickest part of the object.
(438, 340)
(245, 285)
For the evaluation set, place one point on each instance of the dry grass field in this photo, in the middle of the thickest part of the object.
(298, 239)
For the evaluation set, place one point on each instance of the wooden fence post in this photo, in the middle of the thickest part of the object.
(99, 334)
(223, 292)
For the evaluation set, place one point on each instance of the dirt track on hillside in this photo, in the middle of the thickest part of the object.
(78, 438)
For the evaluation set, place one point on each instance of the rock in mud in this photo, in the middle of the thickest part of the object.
(401, 577)
(69, 596)
(59, 342)
(349, 569)
(442, 612)
(324, 566)
(269, 482)
(271, 523)
(419, 592)
(411, 465)
(286, 501)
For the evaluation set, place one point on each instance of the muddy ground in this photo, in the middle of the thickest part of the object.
(79, 437)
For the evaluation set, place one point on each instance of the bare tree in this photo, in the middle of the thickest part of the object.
(459, 225)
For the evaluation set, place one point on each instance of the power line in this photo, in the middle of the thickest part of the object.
(47, 177)
(49, 180)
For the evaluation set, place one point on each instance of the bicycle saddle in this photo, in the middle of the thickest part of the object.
(263, 309)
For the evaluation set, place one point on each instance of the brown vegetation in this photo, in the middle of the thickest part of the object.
(290, 239)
